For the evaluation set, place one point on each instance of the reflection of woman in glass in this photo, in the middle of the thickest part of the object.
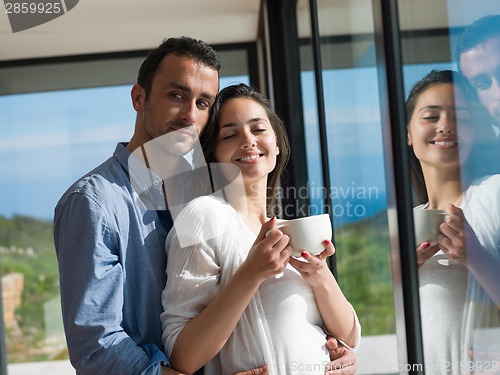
(460, 275)
(236, 300)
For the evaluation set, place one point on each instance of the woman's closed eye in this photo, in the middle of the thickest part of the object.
(227, 136)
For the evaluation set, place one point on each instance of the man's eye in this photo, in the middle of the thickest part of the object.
(483, 84)
(204, 105)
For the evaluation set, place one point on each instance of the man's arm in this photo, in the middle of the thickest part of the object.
(91, 282)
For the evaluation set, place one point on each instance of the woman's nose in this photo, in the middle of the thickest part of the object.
(447, 124)
(249, 140)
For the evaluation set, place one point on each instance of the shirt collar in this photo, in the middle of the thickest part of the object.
(145, 183)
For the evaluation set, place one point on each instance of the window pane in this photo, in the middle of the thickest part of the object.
(50, 139)
(356, 167)
(459, 306)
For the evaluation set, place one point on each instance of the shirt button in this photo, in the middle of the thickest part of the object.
(159, 208)
(146, 188)
(155, 183)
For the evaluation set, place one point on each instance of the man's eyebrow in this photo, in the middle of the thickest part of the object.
(479, 76)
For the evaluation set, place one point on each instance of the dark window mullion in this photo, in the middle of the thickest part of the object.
(320, 102)
(405, 272)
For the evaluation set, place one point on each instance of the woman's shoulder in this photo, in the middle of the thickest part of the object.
(208, 205)
(483, 195)
(490, 183)
(204, 218)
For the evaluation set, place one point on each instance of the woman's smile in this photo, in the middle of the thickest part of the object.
(249, 158)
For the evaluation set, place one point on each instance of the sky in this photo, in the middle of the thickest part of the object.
(47, 140)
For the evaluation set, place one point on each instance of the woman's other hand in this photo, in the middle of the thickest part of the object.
(315, 267)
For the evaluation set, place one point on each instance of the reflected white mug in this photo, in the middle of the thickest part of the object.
(427, 222)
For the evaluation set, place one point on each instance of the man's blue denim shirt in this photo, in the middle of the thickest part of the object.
(111, 254)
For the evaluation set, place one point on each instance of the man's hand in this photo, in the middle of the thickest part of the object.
(343, 360)
(264, 370)
(169, 371)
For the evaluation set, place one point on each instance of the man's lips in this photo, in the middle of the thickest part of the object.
(183, 131)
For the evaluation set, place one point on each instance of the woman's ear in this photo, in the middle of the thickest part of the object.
(277, 150)
(408, 138)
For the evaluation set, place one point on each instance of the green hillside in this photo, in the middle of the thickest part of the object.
(26, 247)
(364, 272)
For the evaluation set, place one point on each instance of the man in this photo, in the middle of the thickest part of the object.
(110, 236)
(478, 58)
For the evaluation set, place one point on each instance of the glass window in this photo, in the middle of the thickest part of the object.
(457, 274)
(356, 163)
(356, 167)
(52, 138)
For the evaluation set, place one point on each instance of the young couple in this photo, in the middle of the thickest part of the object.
(110, 244)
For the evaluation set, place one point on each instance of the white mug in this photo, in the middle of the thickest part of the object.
(427, 222)
(307, 233)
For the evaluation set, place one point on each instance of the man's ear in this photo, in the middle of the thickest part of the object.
(138, 95)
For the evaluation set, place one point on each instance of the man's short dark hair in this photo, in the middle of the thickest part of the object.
(182, 46)
(476, 33)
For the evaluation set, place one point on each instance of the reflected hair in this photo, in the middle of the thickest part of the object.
(478, 32)
(209, 136)
(182, 46)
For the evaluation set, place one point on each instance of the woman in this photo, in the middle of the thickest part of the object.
(252, 304)
(459, 282)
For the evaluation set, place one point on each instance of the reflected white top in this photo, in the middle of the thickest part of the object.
(457, 314)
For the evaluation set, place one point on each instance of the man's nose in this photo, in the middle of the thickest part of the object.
(496, 88)
(188, 113)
